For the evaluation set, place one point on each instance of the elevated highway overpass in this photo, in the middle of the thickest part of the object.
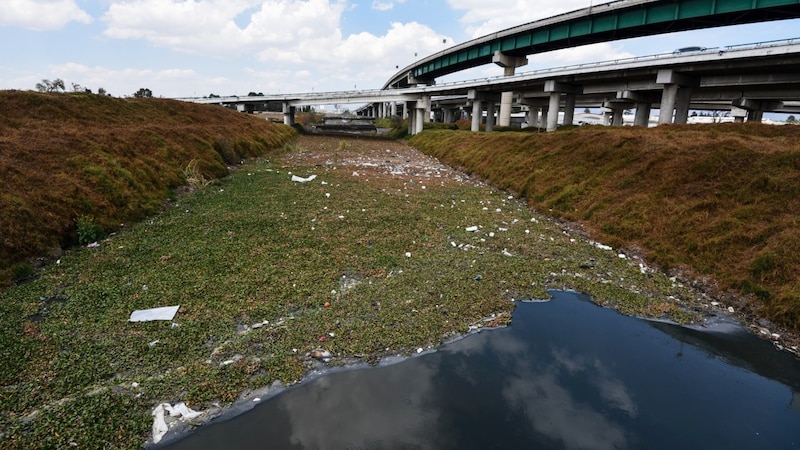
(745, 81)
(600, 23)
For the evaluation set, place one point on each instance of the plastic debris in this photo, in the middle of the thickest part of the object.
(92, 245)
(303, 180)
(146, 315)
(160, 427)
(471, 229)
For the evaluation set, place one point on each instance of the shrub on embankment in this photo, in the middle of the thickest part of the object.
(81, 164)
(718, 200)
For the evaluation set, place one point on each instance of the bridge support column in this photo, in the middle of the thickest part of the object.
(738, 114)
(569, 109)
(288, 114)
(682, 105)
(642, 117)
(490, 110)
(509, 64)
(447, 116)
(673, 101)
(410, 117)
(417, 112)
(556, 88)
(477, 114)
(393, 107)
(552, 111)
(755, 108)
(543, 114)
(641, 101)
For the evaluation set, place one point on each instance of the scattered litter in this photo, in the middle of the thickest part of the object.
(160, 427)
(320, 354)
(257, 399)
(327, 195)
(408, 254)
(92, 245)
(152, 343)
(303, 180)
(730, 309)
(506, 252)
(471, 229)
(622, 256)
(601, 246)
(146, 315)
(419, 350)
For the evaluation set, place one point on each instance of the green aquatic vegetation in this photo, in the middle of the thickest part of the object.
(267, 270)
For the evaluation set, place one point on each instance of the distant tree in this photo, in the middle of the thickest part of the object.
(143, 93)
(78, 88)
(46, 85)
(253, 94)
(102, 91)
(791, 119)
(213, 96)
(587, 111)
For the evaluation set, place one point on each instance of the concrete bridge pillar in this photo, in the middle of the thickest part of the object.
(569, 109)
(533, 116)
(641, 101)
(673, 101)
(477, 113)
(682, 105)
(393, 107)
(544, 114)
(490, 111)
(755, 108)
(556, 88)
(409, 116)
(738, 114)
(642, 117)
(288, 114)
(616, 116)
(509, 64)
(552, 111)
(417, 111)
(447, 115)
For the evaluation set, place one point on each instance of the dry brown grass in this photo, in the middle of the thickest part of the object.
(66, 156)
(718, 200)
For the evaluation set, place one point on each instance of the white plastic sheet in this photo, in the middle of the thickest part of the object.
(303, 180)
(160, 426)
(163, 313)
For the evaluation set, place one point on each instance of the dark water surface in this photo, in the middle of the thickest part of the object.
(566, 375)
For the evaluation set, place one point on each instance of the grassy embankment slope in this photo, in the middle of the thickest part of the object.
(714, 200)
(100, 161)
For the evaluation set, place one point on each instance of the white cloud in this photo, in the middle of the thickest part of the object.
(209, 27)
(382, 6)
(41, 15)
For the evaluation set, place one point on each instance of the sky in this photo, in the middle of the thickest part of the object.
(194, 48)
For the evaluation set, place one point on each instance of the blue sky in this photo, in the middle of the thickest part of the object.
(184, 48)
